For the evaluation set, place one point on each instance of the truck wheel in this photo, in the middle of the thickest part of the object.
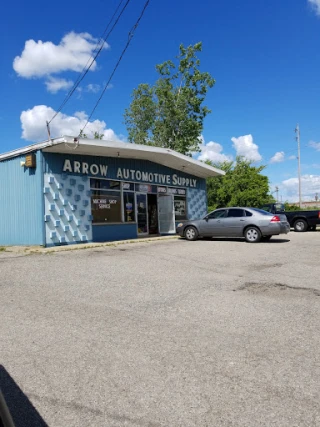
(191, 233)
(252, 234)
(300, 225)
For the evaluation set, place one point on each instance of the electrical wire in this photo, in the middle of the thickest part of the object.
(92, 59)
(130, 37)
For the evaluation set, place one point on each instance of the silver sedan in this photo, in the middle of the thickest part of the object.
(251, 223)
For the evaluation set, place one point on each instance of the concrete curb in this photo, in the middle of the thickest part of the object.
(28, 250)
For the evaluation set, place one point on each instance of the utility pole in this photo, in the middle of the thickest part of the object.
(297, 131)
(277, 191)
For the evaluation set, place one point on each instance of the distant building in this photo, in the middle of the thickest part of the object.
(310, 205)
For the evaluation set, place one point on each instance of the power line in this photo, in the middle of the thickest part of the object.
(130, 37)
(92, 59)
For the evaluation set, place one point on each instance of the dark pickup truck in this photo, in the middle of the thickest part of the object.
(299, 220)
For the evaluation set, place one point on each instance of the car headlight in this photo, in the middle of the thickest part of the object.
(180, 225)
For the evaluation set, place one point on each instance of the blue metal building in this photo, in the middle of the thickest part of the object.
(69, 190)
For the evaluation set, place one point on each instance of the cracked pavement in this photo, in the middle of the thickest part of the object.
(164, 333)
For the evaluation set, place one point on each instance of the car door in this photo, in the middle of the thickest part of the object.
(234, 222)
(212, 224)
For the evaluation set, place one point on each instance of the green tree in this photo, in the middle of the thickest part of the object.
(171, 112)
(242, 185)
(95, 135)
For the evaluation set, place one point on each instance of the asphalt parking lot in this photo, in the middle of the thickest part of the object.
(165, 333)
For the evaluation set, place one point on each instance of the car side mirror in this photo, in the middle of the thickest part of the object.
(207, 218)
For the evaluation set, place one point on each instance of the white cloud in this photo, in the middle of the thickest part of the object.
(310, 185)
(212, 151)
(39, 59)
(315, 145)
(278, 157)
(54, 84)
(33, 122)
(315, 5)
(246, 148)
(293, 157)
(94, 88)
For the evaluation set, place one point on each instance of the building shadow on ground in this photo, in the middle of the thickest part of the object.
(22, 411)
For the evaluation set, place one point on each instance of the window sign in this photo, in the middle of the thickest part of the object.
(144, 188)
(128, 186)
(180, 191)
(162, 190)
(106, 207)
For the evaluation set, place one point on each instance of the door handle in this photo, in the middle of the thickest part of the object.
(242, 219)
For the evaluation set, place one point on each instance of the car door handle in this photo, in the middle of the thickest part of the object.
(242, 219)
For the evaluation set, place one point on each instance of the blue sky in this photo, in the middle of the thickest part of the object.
(264, 56)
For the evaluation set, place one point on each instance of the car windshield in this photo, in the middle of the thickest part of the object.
(262, 212)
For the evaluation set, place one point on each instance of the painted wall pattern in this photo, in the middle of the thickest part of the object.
(67, 203)
(197, 203)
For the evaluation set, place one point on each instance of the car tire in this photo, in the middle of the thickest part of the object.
(266, 238)
(252, 234)
(300, 225)
(191, 233)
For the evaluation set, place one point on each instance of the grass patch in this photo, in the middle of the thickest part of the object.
(2, 249)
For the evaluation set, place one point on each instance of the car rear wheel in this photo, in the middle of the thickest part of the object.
(191, 233)
(300, 225)
(252, 235)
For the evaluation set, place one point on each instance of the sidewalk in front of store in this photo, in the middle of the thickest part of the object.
(28, 250)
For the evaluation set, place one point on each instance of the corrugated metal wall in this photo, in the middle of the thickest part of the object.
(21, 203)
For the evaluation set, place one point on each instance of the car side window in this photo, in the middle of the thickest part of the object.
(248, 213)
(217, 214)
(235, 213)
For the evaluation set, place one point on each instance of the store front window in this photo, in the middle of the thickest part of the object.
(180, 208)
(106, 206)
(127, 202)
(128, 206)
(105, 201)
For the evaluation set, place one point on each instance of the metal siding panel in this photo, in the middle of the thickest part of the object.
(20, 203)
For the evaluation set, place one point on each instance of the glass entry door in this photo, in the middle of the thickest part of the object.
(142, 213)
(166, 214)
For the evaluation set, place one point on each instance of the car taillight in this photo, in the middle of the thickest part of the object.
(275, 218)
(319, 214)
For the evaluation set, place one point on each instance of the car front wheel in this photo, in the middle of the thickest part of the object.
(191, 233)
(252, 235)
